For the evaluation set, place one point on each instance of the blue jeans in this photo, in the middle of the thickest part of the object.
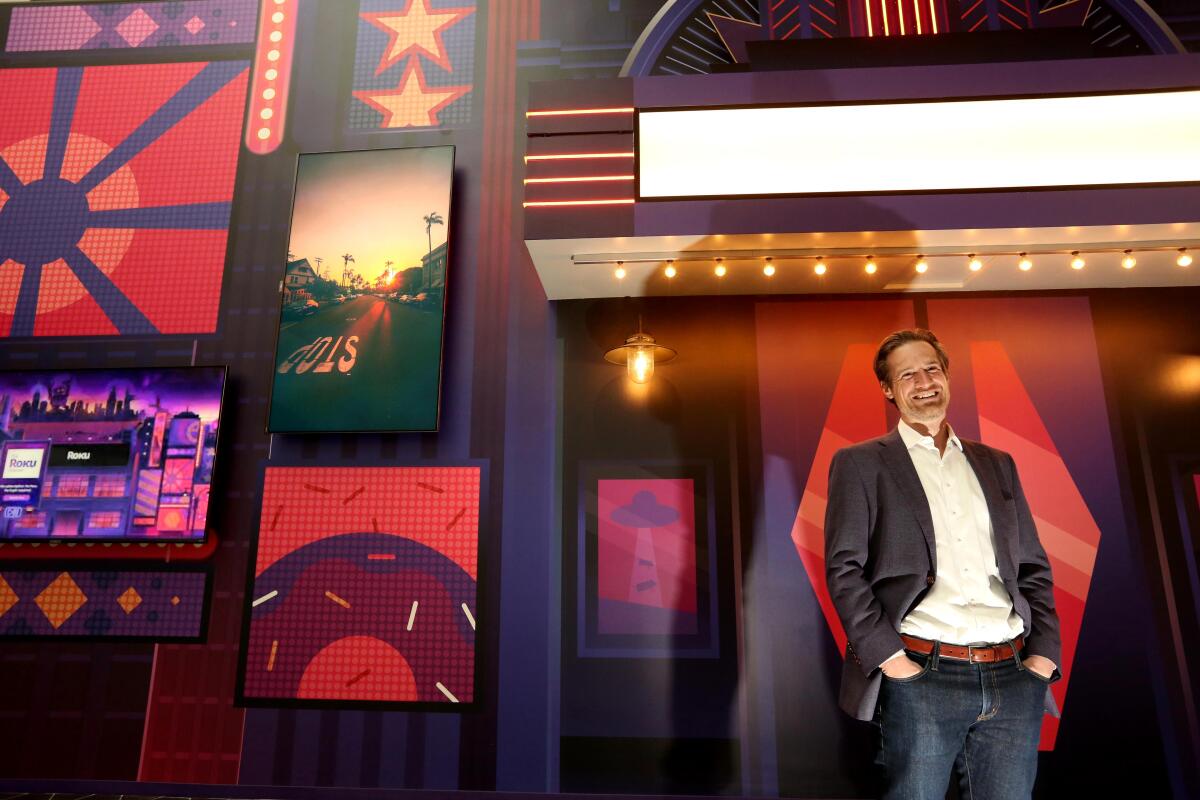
(980, 722)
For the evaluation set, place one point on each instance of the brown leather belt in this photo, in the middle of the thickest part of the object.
(985, 654)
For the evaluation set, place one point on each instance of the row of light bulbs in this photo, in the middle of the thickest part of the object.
(974, 263)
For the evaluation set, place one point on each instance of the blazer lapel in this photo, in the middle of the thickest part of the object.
(899, 463)
(989, 481)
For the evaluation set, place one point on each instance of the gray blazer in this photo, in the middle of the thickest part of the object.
(880, 558)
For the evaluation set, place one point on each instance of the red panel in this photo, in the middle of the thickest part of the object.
(805, 351)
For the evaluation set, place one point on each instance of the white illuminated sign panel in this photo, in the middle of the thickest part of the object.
(1142, 138)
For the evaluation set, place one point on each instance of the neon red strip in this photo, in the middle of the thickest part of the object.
(271, 75)
(557, 203)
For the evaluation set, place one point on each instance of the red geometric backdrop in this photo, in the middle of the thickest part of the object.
(991, 403)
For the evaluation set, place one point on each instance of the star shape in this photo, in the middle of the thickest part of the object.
(413, 103)
(416, 28)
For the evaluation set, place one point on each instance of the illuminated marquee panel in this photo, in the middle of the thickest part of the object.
(266, 113)
(1117, 139)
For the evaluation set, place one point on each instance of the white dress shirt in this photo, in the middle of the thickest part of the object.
(968, 603)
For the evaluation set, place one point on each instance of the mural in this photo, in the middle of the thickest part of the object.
(414, 64)
(116, 184)
(364, 587)
(157, 604)
(114, 26)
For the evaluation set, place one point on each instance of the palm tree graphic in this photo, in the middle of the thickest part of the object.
(347, 260)
(431, 219)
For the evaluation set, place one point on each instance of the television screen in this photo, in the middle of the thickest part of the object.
(108, 454)
(360, 327)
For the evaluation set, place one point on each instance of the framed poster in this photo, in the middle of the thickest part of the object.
(646, 546)
(359, 345)
(363, 592)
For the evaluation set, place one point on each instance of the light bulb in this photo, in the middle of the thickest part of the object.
(1077, 262)
(1024, 264)
(820, 268)
(670, 271)
(1128, 262)
(640, 364)
(1183, 259)
(974, 264)
(870, 267)
(922, 265)
(720, 269)
(768, 268)
(620, 270)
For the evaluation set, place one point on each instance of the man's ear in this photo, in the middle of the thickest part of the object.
(887, 390)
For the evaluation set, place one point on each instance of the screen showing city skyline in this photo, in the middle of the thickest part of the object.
(364, 290)
(108, 454)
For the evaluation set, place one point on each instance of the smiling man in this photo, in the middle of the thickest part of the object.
(945, 592)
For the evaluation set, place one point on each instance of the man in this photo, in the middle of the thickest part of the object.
(934, 566)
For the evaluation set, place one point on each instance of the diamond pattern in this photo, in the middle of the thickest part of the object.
(194, 25)
(8, 598)
(129, 600)
(60, 600)
(135, 28)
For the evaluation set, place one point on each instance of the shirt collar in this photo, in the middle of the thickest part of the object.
(913, 439)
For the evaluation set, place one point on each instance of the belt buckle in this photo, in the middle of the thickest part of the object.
(971, 654)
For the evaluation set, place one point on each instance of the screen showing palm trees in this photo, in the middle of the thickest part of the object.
(360, 330)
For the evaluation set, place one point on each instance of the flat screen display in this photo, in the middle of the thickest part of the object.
(108, 454)
(363, 293)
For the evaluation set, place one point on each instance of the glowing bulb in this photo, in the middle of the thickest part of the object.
(1183, 260)
(620, 270)
(820, 268)
(640, 364)
(871, 266)
(1128, 262)
(974, 264)
(922, 265)
(1077, 262)
(769, 268)
(1024, 264)
(670, 270)
(720, 269)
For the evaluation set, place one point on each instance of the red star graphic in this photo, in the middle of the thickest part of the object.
(413, 103)
(417, 28)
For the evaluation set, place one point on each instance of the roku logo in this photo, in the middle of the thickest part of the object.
(24, 463)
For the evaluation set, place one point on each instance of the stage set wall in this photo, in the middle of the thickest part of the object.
(1100, 386)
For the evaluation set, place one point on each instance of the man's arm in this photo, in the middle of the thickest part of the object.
(847, 531)
(1035, 580)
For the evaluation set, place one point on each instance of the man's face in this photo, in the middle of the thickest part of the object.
(919, 385)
